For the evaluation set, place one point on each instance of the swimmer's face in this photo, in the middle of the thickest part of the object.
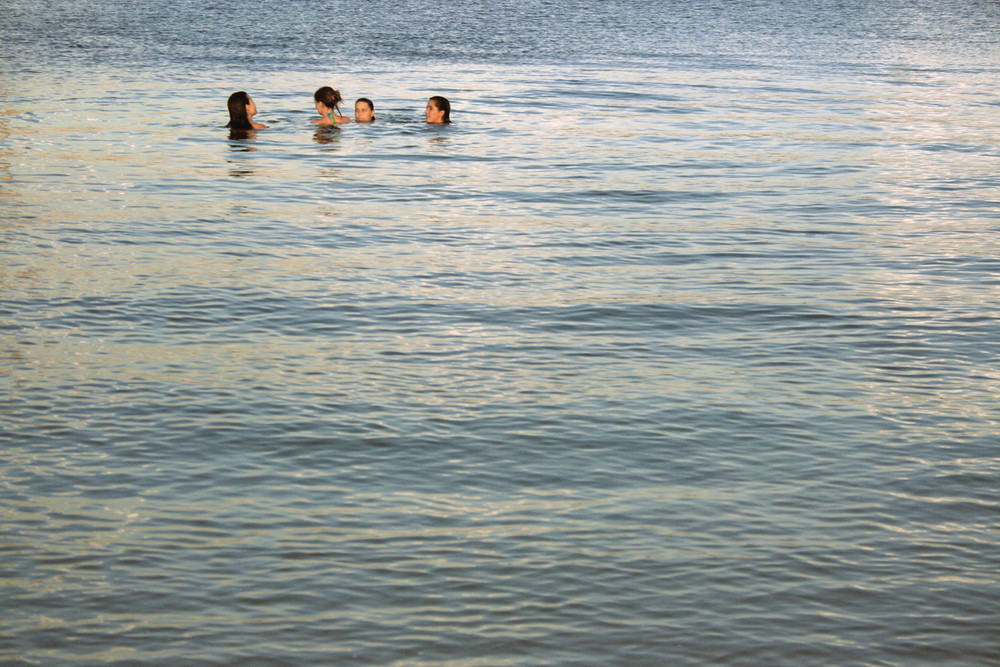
(363, 113)
(251, 108)
(432, 113)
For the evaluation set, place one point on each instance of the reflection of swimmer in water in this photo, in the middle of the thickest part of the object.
(438, 110)
(364, 110)
(328, 105)
(242, 109)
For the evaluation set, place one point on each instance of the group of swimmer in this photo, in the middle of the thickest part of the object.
(242, 109)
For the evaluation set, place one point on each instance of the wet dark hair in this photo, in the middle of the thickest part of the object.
(329, 97)
(443, 105)
(238, 118)
(366, 101)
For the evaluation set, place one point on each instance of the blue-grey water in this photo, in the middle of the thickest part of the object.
(679, 346)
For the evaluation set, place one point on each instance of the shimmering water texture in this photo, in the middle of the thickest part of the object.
(678, 347)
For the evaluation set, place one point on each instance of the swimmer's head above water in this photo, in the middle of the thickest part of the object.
(364, 110)
(438, 110)
(328, 105)
(242, 109)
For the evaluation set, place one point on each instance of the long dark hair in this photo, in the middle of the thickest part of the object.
(443, 105)
(329, 97)
(238, 118)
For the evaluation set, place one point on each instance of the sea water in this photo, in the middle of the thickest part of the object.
(677, 347)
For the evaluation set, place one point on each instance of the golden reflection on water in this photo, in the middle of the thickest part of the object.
(327, 135)
(103, 167)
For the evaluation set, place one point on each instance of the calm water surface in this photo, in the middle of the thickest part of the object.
(678, 347)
